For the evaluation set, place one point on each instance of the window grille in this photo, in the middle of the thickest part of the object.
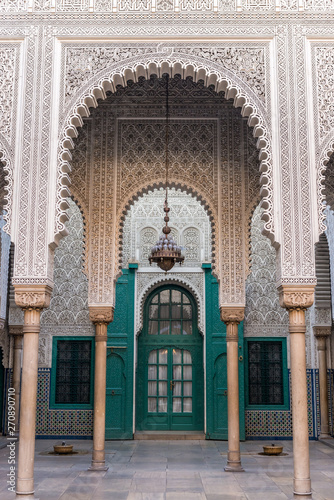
(265, 373)
(73, 371)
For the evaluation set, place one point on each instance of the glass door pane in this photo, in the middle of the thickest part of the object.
(181, 384)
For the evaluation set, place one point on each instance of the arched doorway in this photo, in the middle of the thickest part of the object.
(170, 388)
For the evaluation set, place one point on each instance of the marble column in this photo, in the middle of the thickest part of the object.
(322, 333)
(100, 316)
(232, 317)
(296, 299)
(32, 299)
(17, 332)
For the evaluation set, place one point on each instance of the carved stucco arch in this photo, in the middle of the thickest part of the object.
(145, 65)
(325, 155)
(174, 183)
(6, 163)
(167, 280)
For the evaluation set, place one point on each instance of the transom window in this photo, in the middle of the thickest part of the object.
(170, 313)
(265, 373)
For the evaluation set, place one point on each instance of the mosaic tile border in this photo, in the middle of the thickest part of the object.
(278, 423)
(260, 424)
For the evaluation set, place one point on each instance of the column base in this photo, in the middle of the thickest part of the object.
(25, 496)
(98, 466)
(302, 496)
(325, 436)
(302, 488)
(234, 467)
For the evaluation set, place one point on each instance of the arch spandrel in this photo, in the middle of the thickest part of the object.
(242, 97)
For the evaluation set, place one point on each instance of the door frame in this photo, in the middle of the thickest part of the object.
(147, 343)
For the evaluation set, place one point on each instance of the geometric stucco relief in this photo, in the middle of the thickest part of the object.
(162, 6)
(83, 62)
(263, 314)
(113, 139)
(7, 82)
(324, 58)
(188, 219)
(69, 301)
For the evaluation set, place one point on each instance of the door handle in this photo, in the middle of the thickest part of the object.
(225, 393)
(113, 393)
(171, 385)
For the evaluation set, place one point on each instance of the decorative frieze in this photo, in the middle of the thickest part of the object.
(150, 6)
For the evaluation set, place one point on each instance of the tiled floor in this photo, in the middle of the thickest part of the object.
(172, 470)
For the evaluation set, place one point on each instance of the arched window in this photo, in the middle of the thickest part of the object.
(170, 312)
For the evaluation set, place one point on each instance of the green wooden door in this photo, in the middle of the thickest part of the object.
(119, 386)
(115, 396)
(216, 365)
(2, 381)
(170, 364)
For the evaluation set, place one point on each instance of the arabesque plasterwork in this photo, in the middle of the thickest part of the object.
(69, 301)
(136, 160)
(83, 63)
(263, 314)
(189, 222)
(289, 47)
(161, 6)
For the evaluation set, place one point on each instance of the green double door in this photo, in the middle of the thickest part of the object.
(170, 364)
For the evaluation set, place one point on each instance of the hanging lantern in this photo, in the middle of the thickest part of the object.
(166, 253)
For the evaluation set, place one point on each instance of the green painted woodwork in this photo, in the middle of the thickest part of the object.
(216, 367)
(166, 349)
(72, 406)
(120, 359)
(2, 382)
(286, 396)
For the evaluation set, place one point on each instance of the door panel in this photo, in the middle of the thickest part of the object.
(169, 389)
(115, 396)
(220, 397)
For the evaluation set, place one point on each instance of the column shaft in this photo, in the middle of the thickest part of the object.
(98, 457)
(301, 455)
(233, 456)
(18, 341)
(25, 476)
(324, 421)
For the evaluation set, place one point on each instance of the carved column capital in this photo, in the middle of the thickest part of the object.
(232, 314)
(296, 296)
(15, 329)
(322, 331)
(101, 314)
(32, 296)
